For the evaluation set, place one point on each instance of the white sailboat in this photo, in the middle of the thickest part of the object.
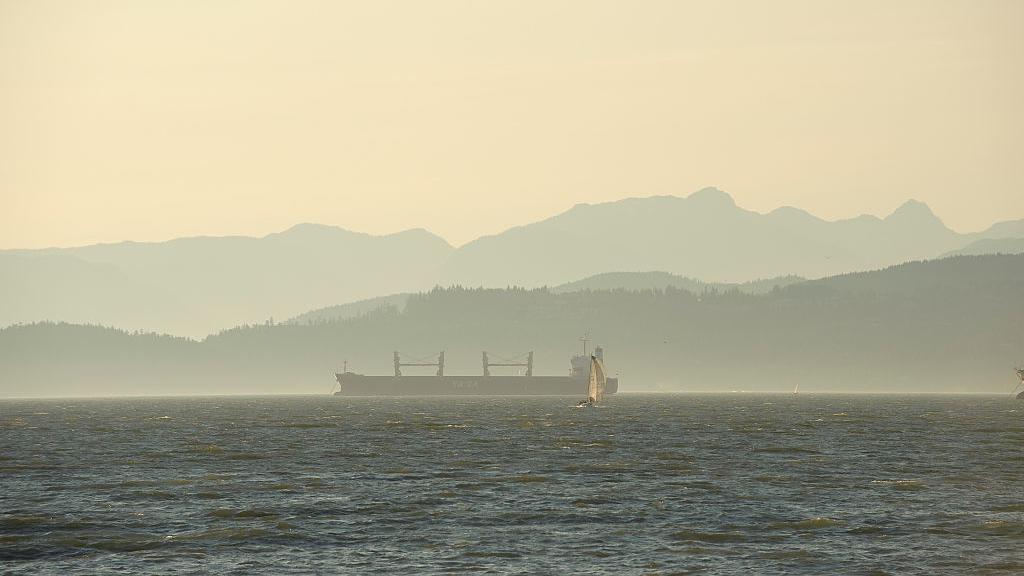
(595, 384)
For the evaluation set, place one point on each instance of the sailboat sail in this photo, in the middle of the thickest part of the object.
(595, 388)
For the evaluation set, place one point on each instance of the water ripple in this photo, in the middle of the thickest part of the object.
(648, 484)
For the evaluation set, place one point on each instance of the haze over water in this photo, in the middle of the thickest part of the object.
(660, 484)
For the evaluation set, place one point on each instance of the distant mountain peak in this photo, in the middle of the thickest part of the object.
(792, 214)
(313, 231)
(913, 209)
(310, 227)
(711, 196)
(421, 234)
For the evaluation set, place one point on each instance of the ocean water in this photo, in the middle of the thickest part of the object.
(645, 484)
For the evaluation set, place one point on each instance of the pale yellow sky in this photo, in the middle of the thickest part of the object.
(148, 120)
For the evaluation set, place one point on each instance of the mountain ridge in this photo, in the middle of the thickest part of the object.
(197, 285)
(1005, 228)
(200, 284)
(786, 241)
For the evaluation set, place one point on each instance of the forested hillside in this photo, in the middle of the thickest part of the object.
(950, 325)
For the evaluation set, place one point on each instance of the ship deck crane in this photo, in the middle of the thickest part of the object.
(528, 364)
(439, 363)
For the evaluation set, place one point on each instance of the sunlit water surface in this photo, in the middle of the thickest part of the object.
(711, 484)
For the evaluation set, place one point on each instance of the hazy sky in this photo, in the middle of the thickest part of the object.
(148, 120)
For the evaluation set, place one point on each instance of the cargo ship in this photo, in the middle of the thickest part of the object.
(485, 384)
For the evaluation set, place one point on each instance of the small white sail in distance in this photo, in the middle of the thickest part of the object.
(796, 389)
(595, 388)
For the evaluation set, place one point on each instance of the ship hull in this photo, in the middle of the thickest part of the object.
(360, 385)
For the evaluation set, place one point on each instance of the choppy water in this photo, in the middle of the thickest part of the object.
(715, 484)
